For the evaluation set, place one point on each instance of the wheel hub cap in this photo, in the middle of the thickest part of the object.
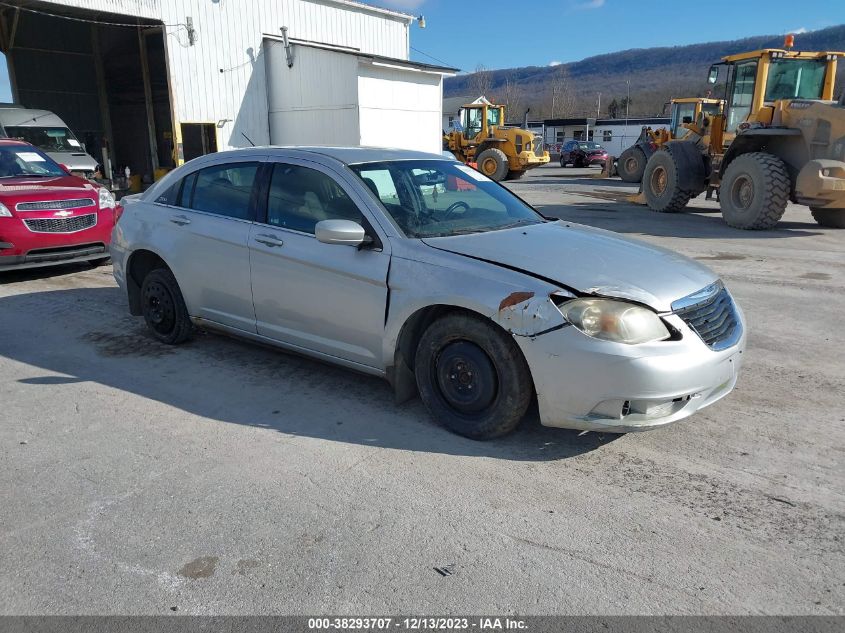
(659, 179)
(742, 192)
(466, 377)
(159, 308)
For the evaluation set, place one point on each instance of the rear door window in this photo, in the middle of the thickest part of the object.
(224, 190)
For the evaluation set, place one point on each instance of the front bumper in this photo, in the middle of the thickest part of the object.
(529, 160)
(21, 247)
(593, 385)
(821, 183)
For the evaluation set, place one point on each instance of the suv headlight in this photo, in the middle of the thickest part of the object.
(615, 321)
(106, 199)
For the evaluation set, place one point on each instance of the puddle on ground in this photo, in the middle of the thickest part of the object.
(202, 567)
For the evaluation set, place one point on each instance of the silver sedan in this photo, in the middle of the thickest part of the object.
(419, 269)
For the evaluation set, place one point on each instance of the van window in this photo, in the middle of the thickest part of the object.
(50, 139)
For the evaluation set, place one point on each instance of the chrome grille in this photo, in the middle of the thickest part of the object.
(49, 205)
(62, 225)
(711, 313)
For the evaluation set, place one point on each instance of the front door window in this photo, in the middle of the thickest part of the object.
(742, 95)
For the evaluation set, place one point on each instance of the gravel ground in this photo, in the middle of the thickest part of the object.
(221, 477)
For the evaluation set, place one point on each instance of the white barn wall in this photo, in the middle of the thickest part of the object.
(305, 111)
(229, 35)
(400, 108)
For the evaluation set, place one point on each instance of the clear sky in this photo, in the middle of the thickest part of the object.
(512, 33)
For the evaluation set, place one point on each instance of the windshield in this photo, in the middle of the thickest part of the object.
(22, 161)
(795, 79)
(586, 145)
(434, 198)
(50, 139)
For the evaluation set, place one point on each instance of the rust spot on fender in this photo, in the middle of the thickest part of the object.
(515, 298)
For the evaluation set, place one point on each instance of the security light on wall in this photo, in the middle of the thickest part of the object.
(421, 21)
(223, 122)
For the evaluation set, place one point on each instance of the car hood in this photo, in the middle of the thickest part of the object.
(588, 260)
(22, 188)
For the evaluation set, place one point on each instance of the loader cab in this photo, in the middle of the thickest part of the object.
(479, 118)
(758, 79)
(692, 111)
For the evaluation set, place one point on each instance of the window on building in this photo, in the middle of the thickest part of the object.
(607, 135)
(300, 197)
(559, 136)
(222, 189)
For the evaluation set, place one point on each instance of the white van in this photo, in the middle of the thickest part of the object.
(48, 132)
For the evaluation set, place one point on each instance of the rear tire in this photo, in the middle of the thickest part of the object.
(631, 165)
(755, 191)
(660, 183)
(164, 308)
(472, 377)
(830, 218)
(493, 163)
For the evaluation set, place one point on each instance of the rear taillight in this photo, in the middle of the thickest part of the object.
(118, 211)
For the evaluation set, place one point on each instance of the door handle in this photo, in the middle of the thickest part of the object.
(181, 220)
(269, 240)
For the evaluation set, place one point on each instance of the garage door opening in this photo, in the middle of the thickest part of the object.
(105, 75)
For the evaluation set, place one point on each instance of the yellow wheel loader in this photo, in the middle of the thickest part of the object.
(781, 137)
(499, 152)
(685, 113)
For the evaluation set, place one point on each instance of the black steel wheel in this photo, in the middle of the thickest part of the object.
(472, 376)
(164, 308)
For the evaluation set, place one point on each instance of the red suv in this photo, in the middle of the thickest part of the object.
(48, 216)
(582, 154)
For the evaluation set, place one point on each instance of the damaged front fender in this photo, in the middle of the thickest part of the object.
(528, 314)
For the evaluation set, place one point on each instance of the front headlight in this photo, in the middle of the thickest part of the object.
(4, 211)
(615, 321)
(106, 199)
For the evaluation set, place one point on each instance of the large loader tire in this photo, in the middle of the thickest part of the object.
(515, 175)
(755, 191)
(831, 218)
(660, 183)
(631, 165)
(492, 163)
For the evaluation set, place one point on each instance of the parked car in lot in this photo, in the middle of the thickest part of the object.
(46, 131)
(582, 154)
(47, 215)
(417, 268)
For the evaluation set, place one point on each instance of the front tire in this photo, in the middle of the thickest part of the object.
(660, 183)
(515, 175)
(164, 308)
(755, 191)
(830, 218)
(493, 163)
(631, 165)
(472, 377)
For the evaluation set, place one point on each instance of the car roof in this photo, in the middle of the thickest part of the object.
(13, 141)
(347, 155)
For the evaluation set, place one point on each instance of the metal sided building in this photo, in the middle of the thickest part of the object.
(149, 84)
(615, 135)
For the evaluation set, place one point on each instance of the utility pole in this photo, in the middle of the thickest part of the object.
(627, 105)
(598, 108)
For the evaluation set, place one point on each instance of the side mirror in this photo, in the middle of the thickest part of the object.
(714, 74)
(340, 232)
